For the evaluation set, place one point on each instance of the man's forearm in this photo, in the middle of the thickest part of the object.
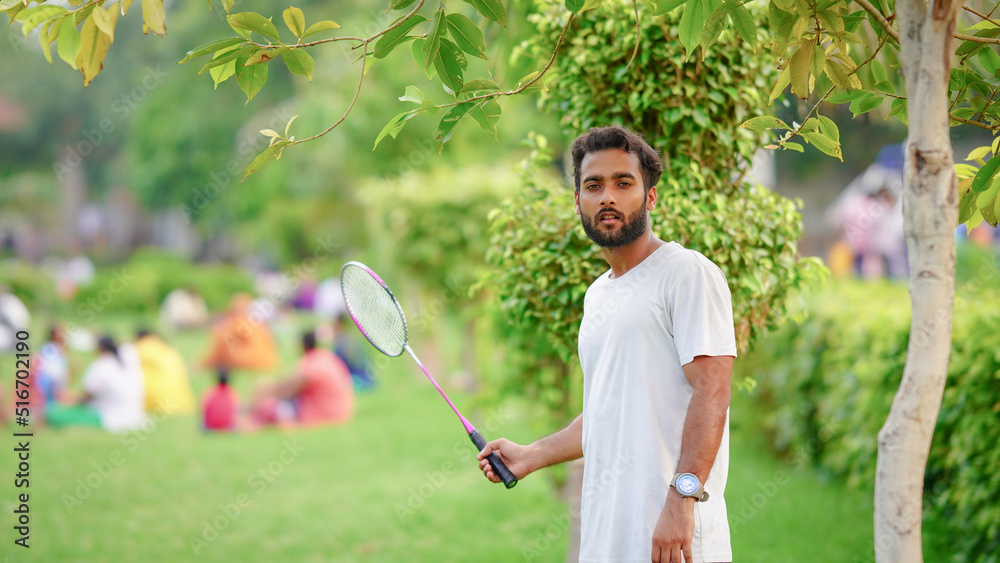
(705, 422)
(564, 445)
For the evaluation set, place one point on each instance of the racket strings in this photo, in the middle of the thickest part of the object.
(374, 310)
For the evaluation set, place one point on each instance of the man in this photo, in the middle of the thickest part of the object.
(657, 346)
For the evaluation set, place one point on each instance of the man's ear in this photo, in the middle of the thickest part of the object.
(650, 198)
(576, 201)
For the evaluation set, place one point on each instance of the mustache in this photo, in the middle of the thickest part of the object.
(618, 215)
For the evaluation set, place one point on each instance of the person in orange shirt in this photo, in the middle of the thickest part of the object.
(320, 392)
(241, 340)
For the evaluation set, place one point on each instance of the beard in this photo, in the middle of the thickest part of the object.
(631, 229)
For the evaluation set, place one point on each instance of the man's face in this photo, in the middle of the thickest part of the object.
(612, 203)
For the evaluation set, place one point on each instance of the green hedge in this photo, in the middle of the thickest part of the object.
(827, 382)
(140, 284)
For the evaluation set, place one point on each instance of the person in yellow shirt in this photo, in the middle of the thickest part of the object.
(168, 389)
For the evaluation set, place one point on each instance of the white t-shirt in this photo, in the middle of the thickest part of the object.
(637, 332)
(117, 392)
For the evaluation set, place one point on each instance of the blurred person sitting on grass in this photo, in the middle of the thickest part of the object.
(353, 353)
(168, 389)
(220, 406)
(319, 392)
(241, 340)
(112, 395)
(52, 369)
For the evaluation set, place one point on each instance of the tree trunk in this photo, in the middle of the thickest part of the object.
(930, 213)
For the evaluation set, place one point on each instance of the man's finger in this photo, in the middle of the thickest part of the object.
(688, 556)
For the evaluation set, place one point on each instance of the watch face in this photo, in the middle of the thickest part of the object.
(687, 484)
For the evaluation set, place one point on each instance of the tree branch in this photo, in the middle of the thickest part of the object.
(879, 18)
(527, 84)
(984, 16)
(357, 91)
(992, 40)
(979, 124)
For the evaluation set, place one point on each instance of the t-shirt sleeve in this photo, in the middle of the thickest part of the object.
(702, 312)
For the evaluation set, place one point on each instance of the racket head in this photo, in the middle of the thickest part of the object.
(374, 308)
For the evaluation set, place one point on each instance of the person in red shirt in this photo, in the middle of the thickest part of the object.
(319, 392)
(220, 406)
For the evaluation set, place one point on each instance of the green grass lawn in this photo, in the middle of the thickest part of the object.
(399, 483)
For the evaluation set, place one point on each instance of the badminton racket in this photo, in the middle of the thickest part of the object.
(380, 318)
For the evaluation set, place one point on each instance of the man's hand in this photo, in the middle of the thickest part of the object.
(674, 530)
(514, 456)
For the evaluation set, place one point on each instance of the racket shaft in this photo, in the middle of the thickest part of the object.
(499, 469)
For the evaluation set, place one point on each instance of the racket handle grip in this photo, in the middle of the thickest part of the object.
(499, 469)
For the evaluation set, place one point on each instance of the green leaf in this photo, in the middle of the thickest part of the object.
(417, 51)
(253, 22)
(320, 26)
(447, 124)
(69, 44)
(967, 207)
(44, 41)
(841, 76)
(222, 72)
(251, 78)
(785, 5)
(979, 153)
(224, 56)
(693, 21)
(829, 128)
(985, 175)
(574, 5)
(299, 62)
(265, 155)
(395, 36)
(400, 4)
(491, 9)
(94, 45)
(487, 113)
(537, 85)
(865, 103)
(450, 64)
(467, 35)
(395, 125)
(799, 68)
(985, 199)
(105, 21)
(825, 144)
(990, 61)
(264, 55)
(412, 94)
(793, 146)
(878, 72)
(843, 96)
(762, 122)
(211, 47)
(477, 84)
(660, 7)
(33, 17)
(295, 21)
(745, 26)
(432, 43)
(783, 80)
(969, 47)
(153, 17)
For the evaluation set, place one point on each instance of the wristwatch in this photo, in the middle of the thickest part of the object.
(688, 486)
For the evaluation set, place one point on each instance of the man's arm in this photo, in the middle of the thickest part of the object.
(564, 445)
(710, 378)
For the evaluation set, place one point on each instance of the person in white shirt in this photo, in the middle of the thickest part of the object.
(657, 347)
